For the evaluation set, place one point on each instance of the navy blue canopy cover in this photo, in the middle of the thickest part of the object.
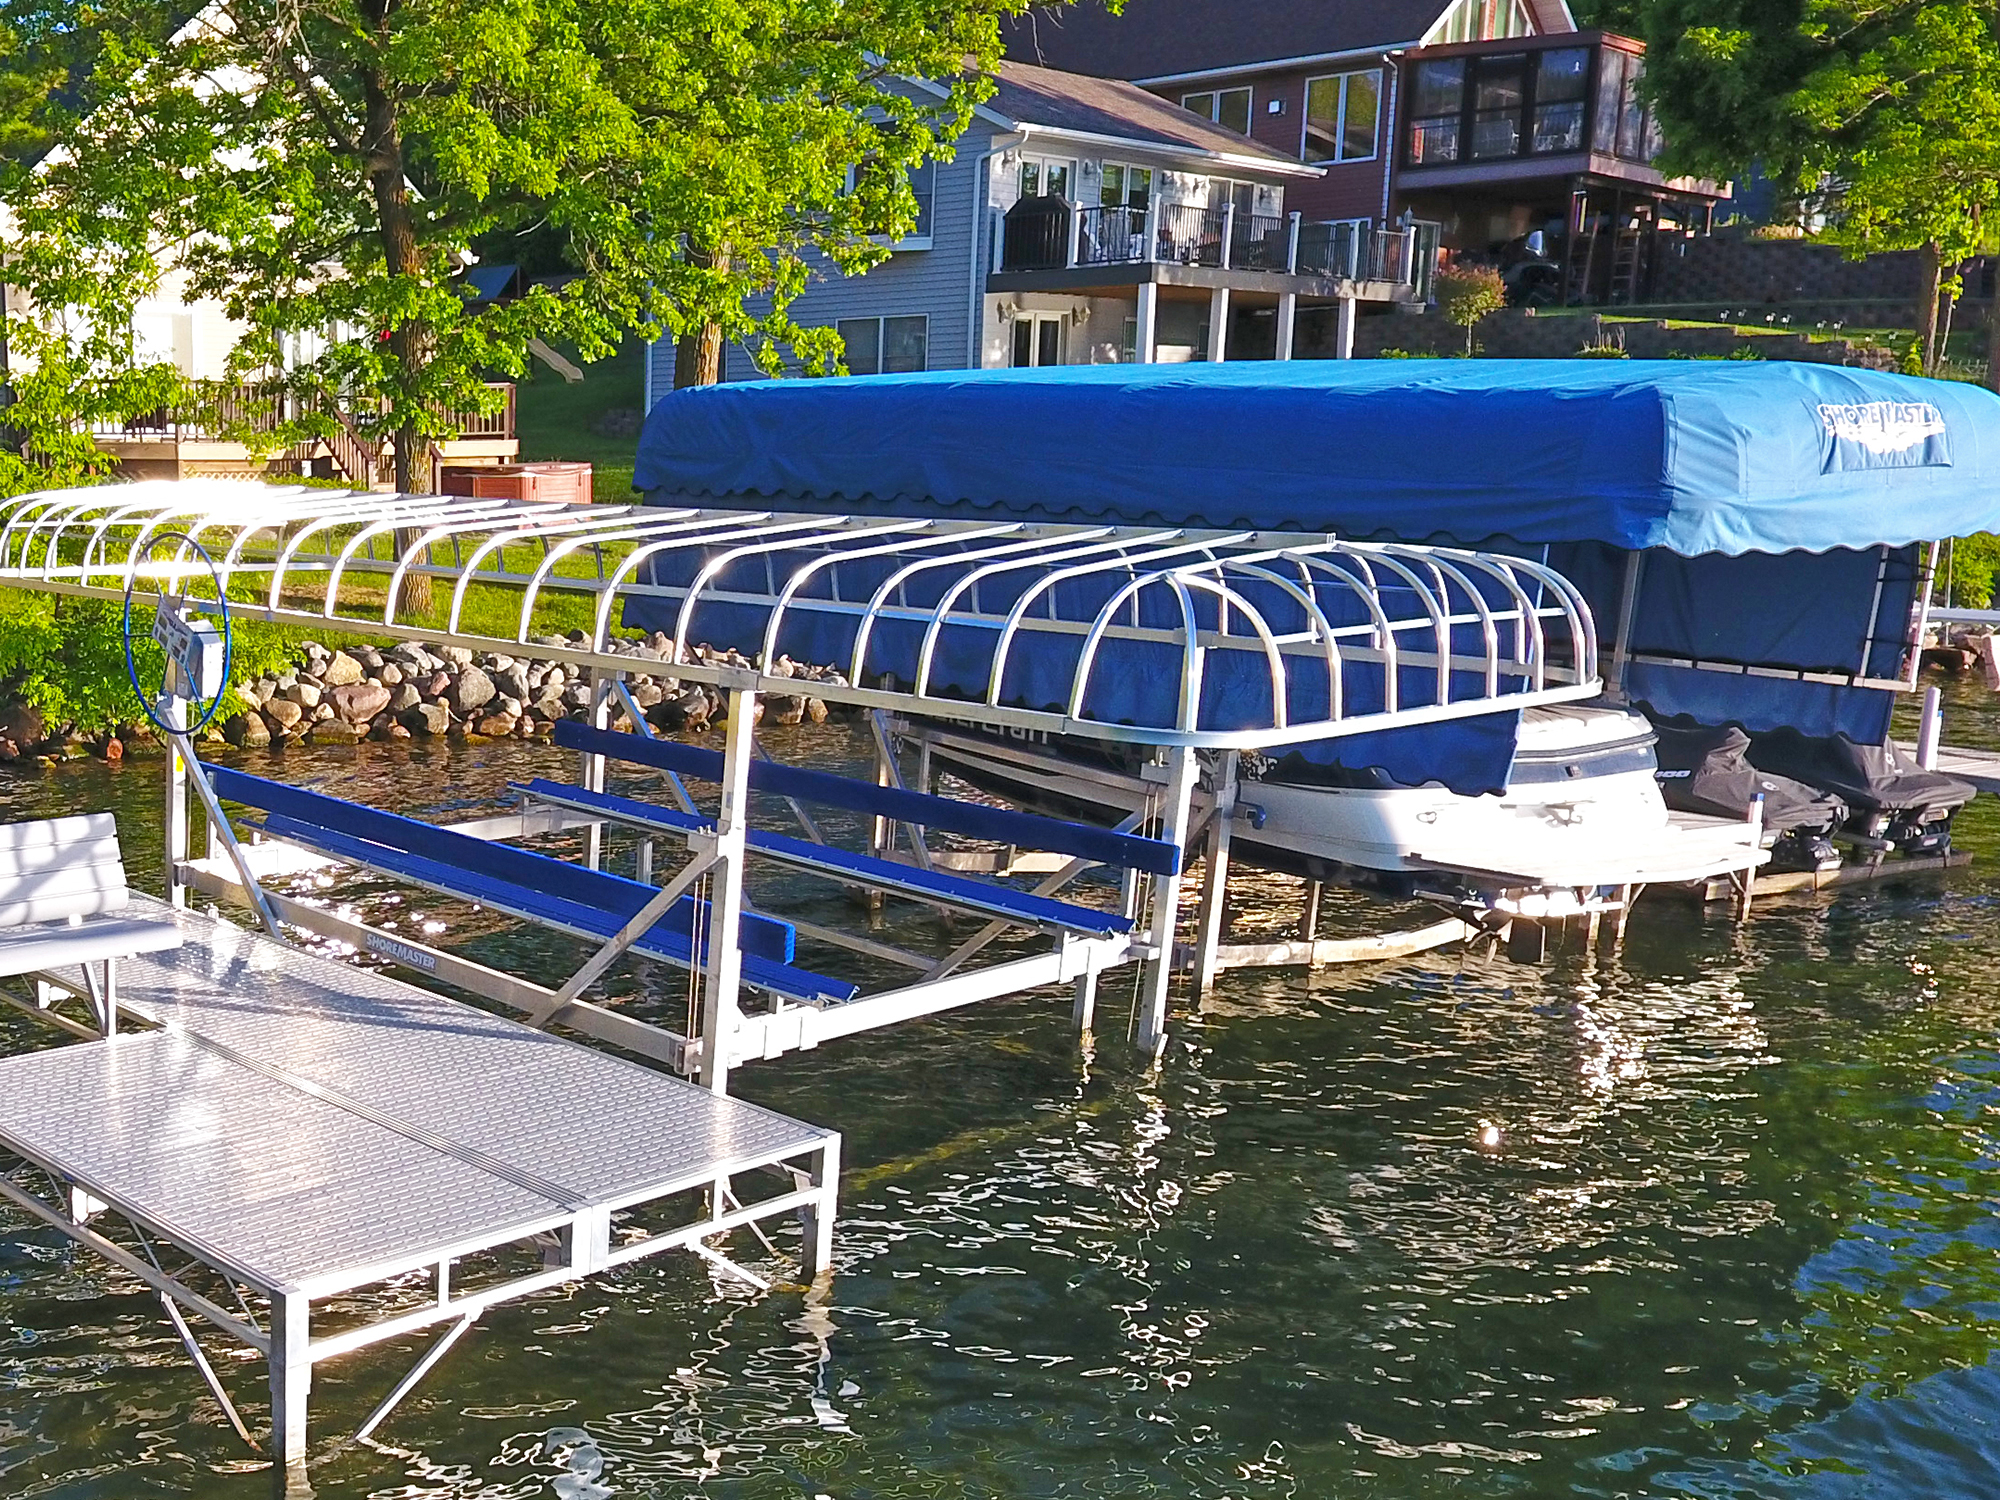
(1695, 456)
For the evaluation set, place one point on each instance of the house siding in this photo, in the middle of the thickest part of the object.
(936, 282)
(1349, 190)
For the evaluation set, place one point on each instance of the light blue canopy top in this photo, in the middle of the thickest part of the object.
(1693, 456)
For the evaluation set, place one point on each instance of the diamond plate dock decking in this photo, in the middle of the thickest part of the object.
(301, 1127)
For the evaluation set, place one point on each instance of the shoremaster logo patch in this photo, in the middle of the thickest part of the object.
(1883, 435)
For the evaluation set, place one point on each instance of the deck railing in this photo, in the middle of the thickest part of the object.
(220, 412)
(1049, 234)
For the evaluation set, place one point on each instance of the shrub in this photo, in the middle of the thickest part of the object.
(1465, 294)
(1975, 562)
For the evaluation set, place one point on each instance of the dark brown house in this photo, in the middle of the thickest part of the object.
(1479, 123)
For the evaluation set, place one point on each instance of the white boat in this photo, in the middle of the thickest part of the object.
(1580, 825)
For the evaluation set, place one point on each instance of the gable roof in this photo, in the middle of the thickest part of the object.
(1027, 98)
(1162, 39)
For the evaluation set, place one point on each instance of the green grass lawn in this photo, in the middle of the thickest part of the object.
(555, 418)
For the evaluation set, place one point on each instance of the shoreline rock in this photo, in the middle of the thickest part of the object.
(410, 691)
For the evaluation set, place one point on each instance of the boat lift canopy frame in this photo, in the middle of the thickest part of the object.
(1498, 633)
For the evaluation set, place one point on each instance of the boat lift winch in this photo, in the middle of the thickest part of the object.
(1244, 641)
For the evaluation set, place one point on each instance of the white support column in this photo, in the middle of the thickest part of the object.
(817, 1218)
(1159, 975)
(1146, 337)
(1292, 244)
(722, 969)
(591, 772)
(173, 709)
(1218, 325)
(1288, 317)
(1343, 338)
(291, 1387)
(1209, 928)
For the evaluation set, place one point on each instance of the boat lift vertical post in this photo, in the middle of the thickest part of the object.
(1209, 928)
(1175, 807)
(592, 770)
(722, 963)
(1628, 613)
(173, 707)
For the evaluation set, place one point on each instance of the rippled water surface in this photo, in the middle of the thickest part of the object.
(1735, 1236)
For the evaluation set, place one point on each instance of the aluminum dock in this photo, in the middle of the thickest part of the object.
(299, 1128)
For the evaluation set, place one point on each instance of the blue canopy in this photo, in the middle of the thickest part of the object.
(1692, 456)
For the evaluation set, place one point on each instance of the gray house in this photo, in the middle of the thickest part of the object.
(1086, 221)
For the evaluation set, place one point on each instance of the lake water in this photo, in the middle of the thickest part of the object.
(1736, 1237)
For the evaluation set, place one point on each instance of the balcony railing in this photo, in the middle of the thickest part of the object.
(1049, 234)
(225, 413)
(1351, 253)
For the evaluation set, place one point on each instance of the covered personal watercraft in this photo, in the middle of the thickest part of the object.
(1708, 771)
(1893, 803)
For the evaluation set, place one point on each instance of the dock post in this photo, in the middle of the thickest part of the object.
(1179, 798)
(1211, 927)
(1084, 1015)
(1930, 729)
(817, 1217)
(291, 1385)
(722, 965)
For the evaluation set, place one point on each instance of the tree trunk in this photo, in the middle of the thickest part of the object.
(1993, 338)
(409, 342)
(698, 352)
(698, 356)
(1930, 263)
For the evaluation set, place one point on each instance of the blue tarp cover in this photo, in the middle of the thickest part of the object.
(1694, 456)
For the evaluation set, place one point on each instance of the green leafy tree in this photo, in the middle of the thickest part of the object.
(318, 166)
(1887, 110)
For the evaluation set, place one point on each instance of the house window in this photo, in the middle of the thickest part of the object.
(1229, 108)
(1622, 126)
(1483, 20)
(923, 186)
(1125, 186)
(1046, 177)
(884, 346)
(1342, 113)
(1562, 86)
(923, 183)
(1437, 101)
(1038, 340)
(1499, 90)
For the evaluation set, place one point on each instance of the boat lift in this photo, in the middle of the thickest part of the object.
(1262, 641)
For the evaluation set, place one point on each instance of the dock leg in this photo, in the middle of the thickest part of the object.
(1166, 902)
(1527, 941)
(722, 966)
(1086, 1003)
(1214, 920)
(817, 1218)
(291, 1384)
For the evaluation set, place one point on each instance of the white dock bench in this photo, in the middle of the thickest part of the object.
(62, 902)
(305, 1129)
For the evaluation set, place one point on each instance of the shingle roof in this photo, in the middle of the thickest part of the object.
(1159, 38)
(1029, 95)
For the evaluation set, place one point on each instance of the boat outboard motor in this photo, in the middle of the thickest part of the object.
(1707, 770)
(1893, 803)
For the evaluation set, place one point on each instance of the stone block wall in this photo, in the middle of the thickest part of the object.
(1519, 333)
